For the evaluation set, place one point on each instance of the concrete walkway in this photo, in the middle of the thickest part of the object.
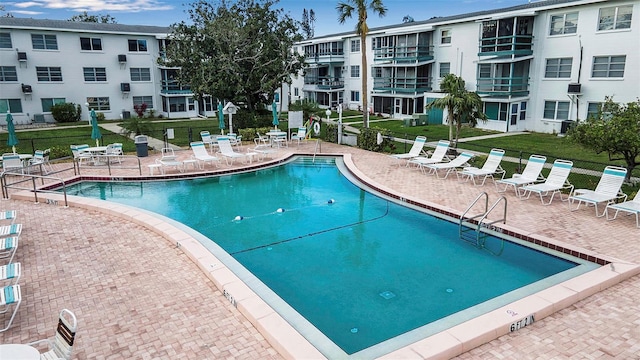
(154, 143)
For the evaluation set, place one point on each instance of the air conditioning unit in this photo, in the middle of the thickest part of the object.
(125, 87)
(574, 88)
(38, 118)
(122, 58)
(22, 56)
(26, 89)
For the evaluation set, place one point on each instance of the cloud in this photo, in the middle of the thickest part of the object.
(26, 12)
(98, 5)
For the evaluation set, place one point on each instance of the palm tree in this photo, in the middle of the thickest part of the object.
(345, 11)
(462, 105)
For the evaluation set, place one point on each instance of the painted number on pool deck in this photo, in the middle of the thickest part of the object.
(230, 298)
(522, 323)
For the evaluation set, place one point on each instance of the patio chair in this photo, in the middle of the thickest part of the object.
(9, 296)
(80, 154)
(460, 161)
(554, 184)
(10, 273)
(8, 216)
(415, 151)
(10, 230)
(490, 168)
(200, 154)
(114, 152)
(630, 206)
(227, 151)
(437, 156)
(39, 160)
(235, 140)
(300, 135)
(11, 163)
(209, 140)
(169, 159)
(280, 140)
(8, 247)
(607, 191)
(261, 140)
(61, 346)
(532, 173)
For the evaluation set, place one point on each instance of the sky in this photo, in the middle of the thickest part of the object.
(167, 12)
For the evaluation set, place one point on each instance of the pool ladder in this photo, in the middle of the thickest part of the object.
(470, 225)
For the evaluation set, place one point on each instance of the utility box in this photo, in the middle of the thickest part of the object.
(142, 145)
(421, 119)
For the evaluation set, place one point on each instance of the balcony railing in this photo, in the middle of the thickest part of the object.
(520, 45)
(404, 53)
(325, 56)
(403, 85)
(324, 82)
(173, 87)
(503, 86)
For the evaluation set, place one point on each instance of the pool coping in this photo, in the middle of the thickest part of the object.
(292, 345)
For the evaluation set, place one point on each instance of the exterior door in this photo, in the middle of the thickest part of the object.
(397, 110)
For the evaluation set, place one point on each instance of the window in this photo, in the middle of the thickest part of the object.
(355, 96)
(94, 74)
(564, 24)
(177, 104)
(496, 111)
(445, 68)
(94, 44)
(10, 105)
(556, 110)
(558, 68)
(138, 45)
(608, 66)
(140, 74)
(296, 91)
(49, 73)
(355, 71)
(523, 110)
(139, 100)
(47, 103)
(8, 73)
(593, 109)
(445, 37)
(99, 103)
(616, 17)
(5, 40)
(355, 45)
(44, 42)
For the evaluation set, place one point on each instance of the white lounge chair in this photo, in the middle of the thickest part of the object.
(630, 206)
(300, 135)
(10, 296)
(460, 161)
(8, 247)
(437, 156)
(227, 151)
(490, 168)
(554, 184)
(61, 346)
(415, 151)
(200, 154)
(169, 159)
(8, 215)
(531, 174)
(607, 191)
(12, 163)
(10, 273)
(10, 230)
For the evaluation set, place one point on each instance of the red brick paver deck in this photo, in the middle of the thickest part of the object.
(139, 297)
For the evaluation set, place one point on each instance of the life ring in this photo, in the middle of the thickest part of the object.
(316, 128)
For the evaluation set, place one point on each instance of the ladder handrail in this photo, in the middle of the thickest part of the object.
(481, 220)
(504, 213)
(315, 151)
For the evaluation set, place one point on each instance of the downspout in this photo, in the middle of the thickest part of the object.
(579, 74)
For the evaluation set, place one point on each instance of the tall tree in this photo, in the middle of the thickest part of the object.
(462, 105)
(308, 21)
(407, 19)
(616, 131)
(345, 11)
(98, 18)
(239, 51)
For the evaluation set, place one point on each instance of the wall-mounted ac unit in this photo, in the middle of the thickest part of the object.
(574, 88)
(122, 58)
(22, 56)
(38, 118)
(125, 87)
(26, 89)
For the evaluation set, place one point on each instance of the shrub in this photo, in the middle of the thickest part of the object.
(136, 126)
(368, 139)
(66, 112)
(140, 109)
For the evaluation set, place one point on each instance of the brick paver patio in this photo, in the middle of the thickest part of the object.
(137, 296)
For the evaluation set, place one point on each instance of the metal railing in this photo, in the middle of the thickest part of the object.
(108, 164)
(30, 178)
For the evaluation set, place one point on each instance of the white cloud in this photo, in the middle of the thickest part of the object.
(26, 12)
(98, 5)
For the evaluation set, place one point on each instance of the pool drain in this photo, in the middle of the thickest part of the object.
(449, 290)
(354, 330)
(387, 295)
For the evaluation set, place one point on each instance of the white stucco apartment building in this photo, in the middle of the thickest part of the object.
(535, 65)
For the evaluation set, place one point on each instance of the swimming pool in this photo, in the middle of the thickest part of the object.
(376, 262)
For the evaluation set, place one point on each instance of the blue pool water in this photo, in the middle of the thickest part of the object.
(360, 268)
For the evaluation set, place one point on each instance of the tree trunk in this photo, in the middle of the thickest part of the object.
(364, 74)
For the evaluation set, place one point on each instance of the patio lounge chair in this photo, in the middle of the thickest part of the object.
(169, 159)
(531, 174)
(10, 296)
(8, 215)
(10, 230)
(200, 154)
(10, 273)
(630, 206)
(207, 139)
(490, 168)
(8, 247)
(414, 152)
(61, 346)
(554, 184)
(227, 151)
(438, 155)
(608, 190)
(460, 161)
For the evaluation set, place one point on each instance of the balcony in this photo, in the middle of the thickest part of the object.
(503, 86)
(511, 45)
(404, 54)
(325, 57)
(174, 88)
(402, 85)
(324, 82)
